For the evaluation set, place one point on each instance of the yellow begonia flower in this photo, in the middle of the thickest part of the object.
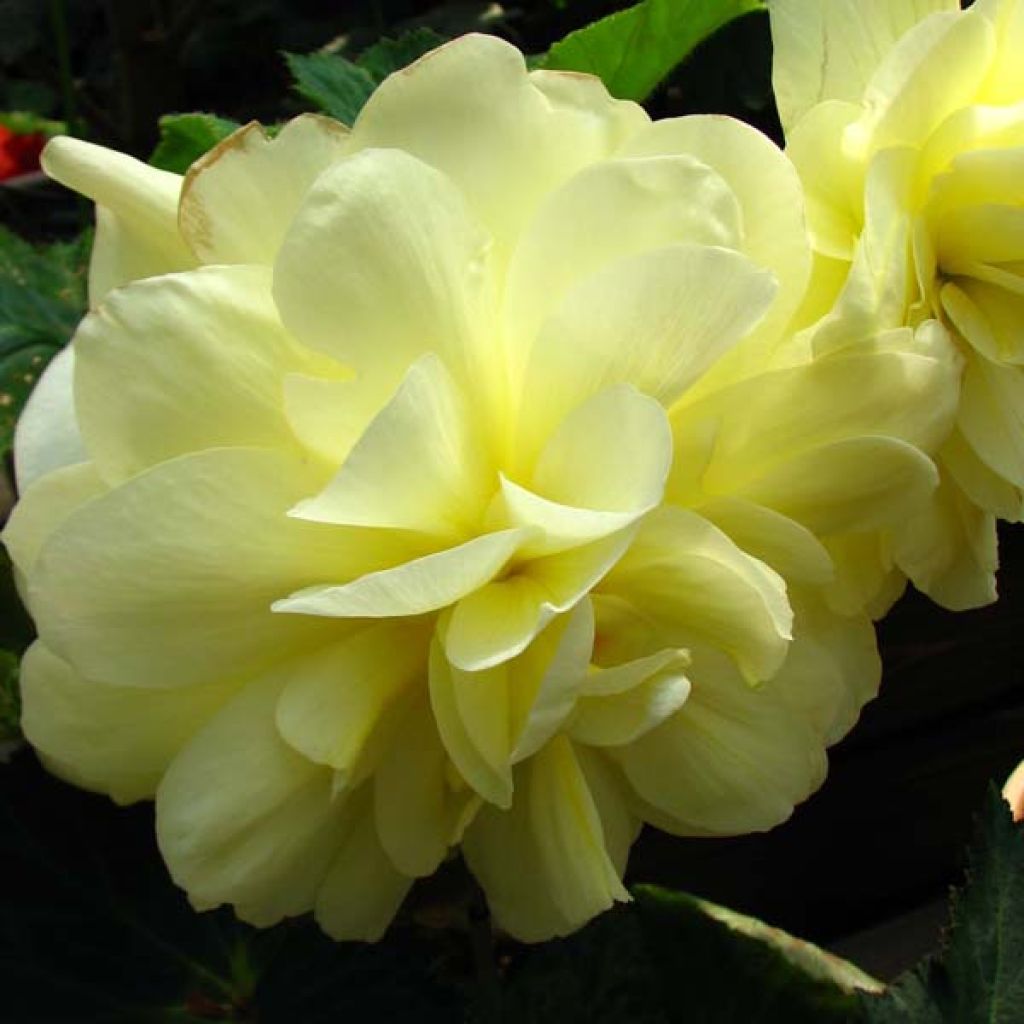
(435, 483)
(905, 119)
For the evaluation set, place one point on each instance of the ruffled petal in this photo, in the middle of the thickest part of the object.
(47, 436)
(418, 466)
(238, 199)
(116, 740)
(506, 137)
(686, 574)
(544, 863)
(168, 579)
(195, 361)
(242, 818)
(829, 50)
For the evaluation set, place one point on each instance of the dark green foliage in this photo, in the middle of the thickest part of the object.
(184, 138)
(635, 49)
(979, 976)
(42, 298)
(93, 930)
(339, 87)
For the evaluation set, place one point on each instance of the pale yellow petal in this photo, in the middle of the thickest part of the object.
(830, 49)
(949, 549)
(168, 579)
(789, 548)
(137, 210)
(238, 199)
(418, 814)
(610, 210)
(492, 782)
(424, 584)
(335, 700)
(544, 863)
(181, 363)
(507, 138)
(112, 739)
(656, 321)
(733, 759)
(498, 621)
(855, 485)
(418, 466)
(362, 890)
(991, 416)
(43, 507)
(684, 572)
(382, 263)
(767, 187)
(47, 435)
(979, 482)
(616, 719)
(243, 819)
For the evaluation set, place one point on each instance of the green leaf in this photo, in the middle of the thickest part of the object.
(669, 957)
(10, 699)
(331, 83)
(635, 49)
(184, 138)
(42, 298)
(24, 122)
(979, 975)
(712, 967)
(389, 55)
(93, 931)
(340, 87)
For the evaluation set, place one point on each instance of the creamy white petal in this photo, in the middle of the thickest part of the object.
(238, 199)
(168, 579)
(424, 584)
(733, 759)
(769, 192)
(112, 739)
(507, 138)
(195, 361)
(830, 49)
(243, 819)
(684, 572)
(418, 812)
(137, 210)
(47, 436)
(418, 465)
(656, 321)
(544, 864)
(362, 891)
(610, 210)
(382, 263)
(335, 700)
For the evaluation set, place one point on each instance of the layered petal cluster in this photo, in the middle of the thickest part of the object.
(905, 120)
(449, 482)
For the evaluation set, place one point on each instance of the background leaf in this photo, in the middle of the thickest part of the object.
(979, 975)
(339, 87)
(633, 50)
(42, 298)
(184, 138)
(93, 930)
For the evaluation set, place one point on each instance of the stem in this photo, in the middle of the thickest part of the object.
(59, 24)
(481, 940)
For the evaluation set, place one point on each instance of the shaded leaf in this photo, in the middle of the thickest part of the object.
(635, 49)
(93, 931)
(331, 83)
(42, 298)
(389, 55)
(184, 138)
(979, 975)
